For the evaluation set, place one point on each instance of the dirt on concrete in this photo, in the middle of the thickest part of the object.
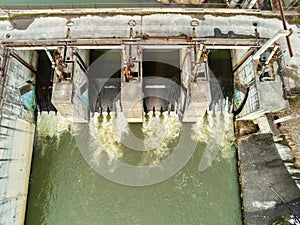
(261, 171)
(291, 129)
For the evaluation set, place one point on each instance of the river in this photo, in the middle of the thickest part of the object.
(65, 190)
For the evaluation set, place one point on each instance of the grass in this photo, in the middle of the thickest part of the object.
(294, 100)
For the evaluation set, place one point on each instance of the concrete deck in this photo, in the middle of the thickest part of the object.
(111, 25)
(261, 167)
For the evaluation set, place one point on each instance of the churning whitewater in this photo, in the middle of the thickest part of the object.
(160, 131)
(108, 131)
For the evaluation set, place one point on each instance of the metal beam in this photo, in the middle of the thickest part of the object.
(243, 59)
(270, 42)
(251, 4)
(75, 52)
(49, 56)
(22, 61)
(285, 28)
(224, 43)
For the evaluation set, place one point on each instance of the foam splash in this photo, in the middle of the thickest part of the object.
(216, 130)
(52, 125)
(159, 131)
(106, 131)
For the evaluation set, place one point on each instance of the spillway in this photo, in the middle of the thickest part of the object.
(134, 109)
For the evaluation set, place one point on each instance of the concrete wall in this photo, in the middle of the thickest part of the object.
(17, 137)
(80, 83)
(264, 96)
(245, 76)
(67, 96)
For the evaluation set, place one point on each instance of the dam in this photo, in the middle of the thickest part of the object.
(114, 115)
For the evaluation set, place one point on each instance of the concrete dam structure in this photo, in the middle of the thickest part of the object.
(136, 93)
(138, 63)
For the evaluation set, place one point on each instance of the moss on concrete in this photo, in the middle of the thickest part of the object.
(48, 13)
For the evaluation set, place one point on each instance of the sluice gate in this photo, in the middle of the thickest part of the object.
(145, 78)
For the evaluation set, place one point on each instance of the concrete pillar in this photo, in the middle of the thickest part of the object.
(67, 96)
(132, 101)
(198, 101)
(131, 84)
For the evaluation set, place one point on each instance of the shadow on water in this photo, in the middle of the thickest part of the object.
(44, 83)
(221, 74)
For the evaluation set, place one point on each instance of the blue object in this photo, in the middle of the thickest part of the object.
(28, 99)
(85, 99)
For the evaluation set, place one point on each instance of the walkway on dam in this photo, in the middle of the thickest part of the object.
(110, 26)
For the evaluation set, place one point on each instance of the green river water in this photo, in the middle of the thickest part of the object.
(65, 190)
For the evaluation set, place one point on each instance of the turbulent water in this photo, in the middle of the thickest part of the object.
(65, 190)
(216, 130)
(106, 131)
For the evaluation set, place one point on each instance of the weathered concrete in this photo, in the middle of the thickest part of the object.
(264, 96)
(198, 101)
(16, 145)
(291, 131)
(67, 94)
(18, 173)
(166, 23)
(132, 100)
(261, 168)
(162, 23)
(192, 2)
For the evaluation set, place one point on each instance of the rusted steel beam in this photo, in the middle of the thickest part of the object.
(4, 75)
(285, 28)
(22, 61)
(270, 42)
(90, 43)
(243, 59)
(75, 52)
